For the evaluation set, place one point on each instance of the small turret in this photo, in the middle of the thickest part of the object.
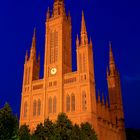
(26, 56)
(112, 66)
(84, 38)
(77, 41)
(33, 48)
(90, 43)
(107, 71)
(48, 13)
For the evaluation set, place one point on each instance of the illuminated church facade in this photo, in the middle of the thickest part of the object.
(62, 90)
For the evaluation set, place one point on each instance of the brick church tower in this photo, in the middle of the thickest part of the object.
(61, 89)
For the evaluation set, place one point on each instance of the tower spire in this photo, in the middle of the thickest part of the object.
(84, 38)
(26, 56)
(111, 59)
(83, 27)
(48, 13)
(33, 48)
(77, 41)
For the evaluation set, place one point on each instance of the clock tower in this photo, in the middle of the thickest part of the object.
(57, 50)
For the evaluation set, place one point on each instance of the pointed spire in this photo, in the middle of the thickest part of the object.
(111, 58)
(77, 41)
(83, 25)
(90, 42)
(84, 38)
(48, 13)
(33, 48)
(111, 53)
(26, 56)
(107, 71)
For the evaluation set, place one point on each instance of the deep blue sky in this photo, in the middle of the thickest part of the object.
(118, 21)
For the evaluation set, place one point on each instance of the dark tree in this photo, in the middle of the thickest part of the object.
(76, 133)
(24, 133)
(8, 123)
(88, 132)
(63, 127)
(39, 133)
(49, 127)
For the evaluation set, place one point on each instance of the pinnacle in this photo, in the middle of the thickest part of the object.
(83, 26)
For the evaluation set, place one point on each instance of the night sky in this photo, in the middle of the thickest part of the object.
(106, 20)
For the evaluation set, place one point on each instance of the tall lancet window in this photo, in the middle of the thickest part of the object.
(84, 101)
(84, 62)
(68, 103)
(54, 104)
(51, 47)
(25, 110)
(26, 71)
(80, 62)
(72, 102)
(55, 46)
(28, 78)
(34, 108)
(50, 105)
(39, 108)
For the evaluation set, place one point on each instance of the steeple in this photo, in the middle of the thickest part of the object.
(84, 38)
(26, 56)
(112, 66)
(33, 47)
(48, 13)
(77, 41)
(59, 8)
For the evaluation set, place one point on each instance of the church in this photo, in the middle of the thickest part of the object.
(64, 90)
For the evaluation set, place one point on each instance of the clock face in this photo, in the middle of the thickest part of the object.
(53, 71)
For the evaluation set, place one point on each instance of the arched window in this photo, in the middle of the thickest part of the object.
(72, 102)
(28, 76)
(50, 105)
(84, 62)
(39, 108)
(80, 62)
(68, 103)
(51, 47)
(25, 110)
(84, 102)
(54, 104)
(55, 46)
(25, 82)
(34, 108)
